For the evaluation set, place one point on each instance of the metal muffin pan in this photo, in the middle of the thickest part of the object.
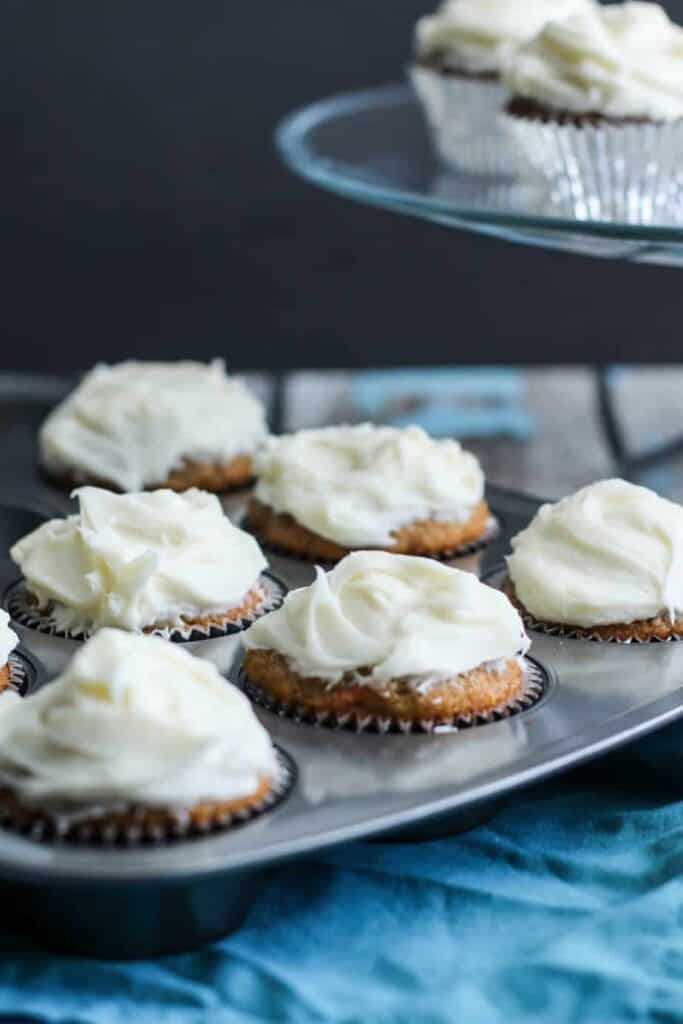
(145, 901)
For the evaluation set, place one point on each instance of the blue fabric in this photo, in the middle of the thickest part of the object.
(567, 907)
(446, 401)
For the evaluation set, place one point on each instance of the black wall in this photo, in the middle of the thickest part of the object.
(145, 213)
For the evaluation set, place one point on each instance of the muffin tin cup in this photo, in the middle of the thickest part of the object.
(63, 826)
(463, 117)
(628, 172)
(23, 612)
(535, 684)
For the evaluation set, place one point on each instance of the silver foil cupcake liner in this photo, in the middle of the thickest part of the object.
(463, 115)
(17, 602)
(534, 686)
(629, 173)
(68, 827)
(463, 551)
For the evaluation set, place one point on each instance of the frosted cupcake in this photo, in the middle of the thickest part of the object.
(322, 493)
(156, 561)
(8, 641)
(135, 740)
(459, 53)
(137, 426)
(605, 563)
(389, 639)
(597, 108)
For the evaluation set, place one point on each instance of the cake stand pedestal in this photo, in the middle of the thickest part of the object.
(372, 146)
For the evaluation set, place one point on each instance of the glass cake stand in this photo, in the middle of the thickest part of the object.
(373, 146)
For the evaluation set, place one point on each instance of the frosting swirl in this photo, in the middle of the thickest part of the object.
(134, 719)
(355, 485)
(611, 553)
(398, 615)
(135, 560)
(624, 61)
(133, 423)
(8, 638)
(477, 36)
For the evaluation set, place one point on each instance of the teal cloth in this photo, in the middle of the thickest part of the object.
(566, 907)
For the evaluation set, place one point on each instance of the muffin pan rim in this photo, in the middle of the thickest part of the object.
(541, 744)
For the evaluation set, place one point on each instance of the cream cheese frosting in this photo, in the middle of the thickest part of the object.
(477, 36)
(611, 553)
(136, 560)
(400, 616)
(624, 61)
(133, 423)
(133, 719)
(8, 638)
(355, 485)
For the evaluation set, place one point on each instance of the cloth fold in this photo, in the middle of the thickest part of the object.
(566, 907)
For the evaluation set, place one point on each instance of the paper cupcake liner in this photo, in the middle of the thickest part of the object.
(463, 115)
(23, 673)
(534, 686)
(17, 603)
(576, 633)
(498, 578)
(64, 827)
(490, 533)
(628, 173)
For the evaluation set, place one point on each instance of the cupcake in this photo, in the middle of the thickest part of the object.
(8, 641)
(154, 561)
(459, 53)
(137, 426)
(388, 638)
(604, 563)
(135, 740)
(322, 493)
(597, 108)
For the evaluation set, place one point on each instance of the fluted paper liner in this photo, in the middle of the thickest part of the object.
(26, 614)
(499, 579)
(578, 633)
(618, 172)
(63, 825)
(22, 673)
(464, 550)
(534, 686)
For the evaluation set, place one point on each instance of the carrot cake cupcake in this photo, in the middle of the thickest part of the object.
(137, 426)
(8, 641)
(389, 637)
(321, 493)
(150, 561)
(136, 739)
(606, 562)
(597, 108)
(460, 51)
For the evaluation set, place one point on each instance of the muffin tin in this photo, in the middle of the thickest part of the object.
(144, 901)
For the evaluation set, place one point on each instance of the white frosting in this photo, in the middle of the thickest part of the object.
(8, 638)
(132, 424)
(621, 61)
(477, 36)
(134, 719)
(135, 560)
(355, 485)
(610, 553)
(401, 616)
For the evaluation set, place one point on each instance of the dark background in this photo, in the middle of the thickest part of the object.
(146, 214)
